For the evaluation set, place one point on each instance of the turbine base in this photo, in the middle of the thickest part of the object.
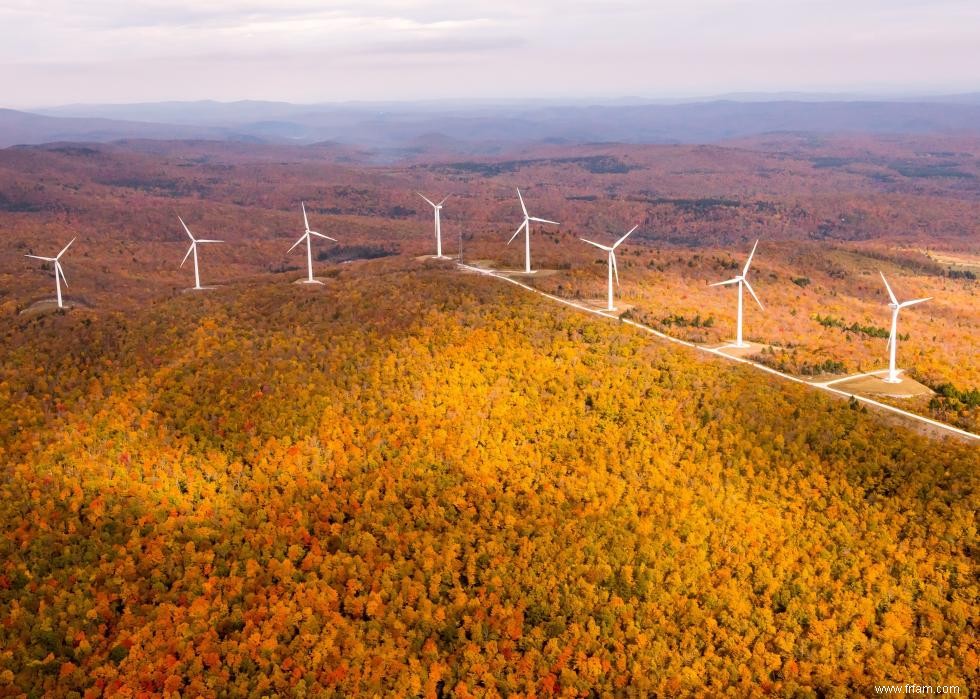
(316, 281)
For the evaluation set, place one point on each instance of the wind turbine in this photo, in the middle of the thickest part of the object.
(742, 281)
(309, 251)
(526, 227)
(59, 273)
(613, 269)
(893, 335)
(437, 208)
(193, 249)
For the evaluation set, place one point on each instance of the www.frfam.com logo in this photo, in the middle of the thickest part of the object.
(917, 689)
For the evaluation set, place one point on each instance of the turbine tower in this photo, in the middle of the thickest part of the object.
(59, 273)
(437, 208)
(742, 281)
(611, 264)
(893, 335)
(193, 249)
(526, 227)
(309, 251)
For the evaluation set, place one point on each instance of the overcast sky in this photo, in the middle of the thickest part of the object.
(66, 51)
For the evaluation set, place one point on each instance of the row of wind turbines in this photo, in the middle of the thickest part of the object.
(59, 273)
(741, 279)
(612, 269)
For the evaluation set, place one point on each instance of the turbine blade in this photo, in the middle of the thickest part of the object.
(618, 242)
(444, 200)
(65, 249)
(301, 239)
(730, 281)
(751, 291)
(601, 247)
(890, 294)
(185, 228)
(58, 270)
(913, 302)
(320, 235)
(891, 339)
(428, 201)
(38, 257)
(306, 221)
(612, 259)
(189, 251)
(749, 261)
(543, 220)
(519, 229)
(205, 240)
(522, 201)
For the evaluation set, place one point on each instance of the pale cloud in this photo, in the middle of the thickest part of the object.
(313, 50)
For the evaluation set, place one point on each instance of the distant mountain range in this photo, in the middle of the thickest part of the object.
(486, 127)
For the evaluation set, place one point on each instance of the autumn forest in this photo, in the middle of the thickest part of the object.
(418, 481)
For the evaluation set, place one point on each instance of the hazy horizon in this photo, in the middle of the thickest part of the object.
(384, 51)
(570, 100)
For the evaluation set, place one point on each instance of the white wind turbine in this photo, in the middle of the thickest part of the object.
(893, 335)
(437, 208)
(59, 273)
(526, 227)
(613, 269)
(309, 251)
(193, 249)
(742, 281)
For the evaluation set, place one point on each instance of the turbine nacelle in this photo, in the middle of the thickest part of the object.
(742, 279)
(56, 257)
(598, 245)
(306, 235)
(194, 241)
(432, 203)
(307, 232)
(895, 304)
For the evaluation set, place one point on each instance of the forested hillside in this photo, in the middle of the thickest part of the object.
(831, 211)
(412, 482)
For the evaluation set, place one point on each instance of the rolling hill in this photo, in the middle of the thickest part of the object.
(410, 483)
